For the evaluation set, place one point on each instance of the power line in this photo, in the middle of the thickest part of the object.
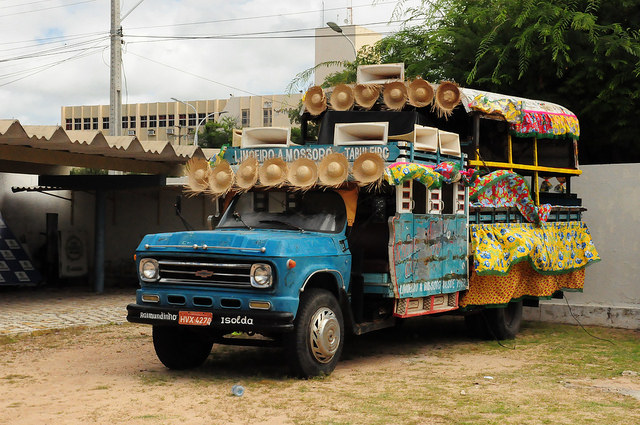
(49, 40)
(250, 34)
(46, 8)
(256, 17)
(67, 48)
(87, 52)
(24, 4)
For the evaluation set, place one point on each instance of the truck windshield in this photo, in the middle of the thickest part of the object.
(314, 211)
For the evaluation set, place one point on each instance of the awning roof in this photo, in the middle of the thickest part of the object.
(35, 149)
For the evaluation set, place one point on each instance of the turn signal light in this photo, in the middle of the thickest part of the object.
(150, 298)
(291, 264)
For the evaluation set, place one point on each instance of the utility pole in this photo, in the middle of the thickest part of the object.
(115, 98)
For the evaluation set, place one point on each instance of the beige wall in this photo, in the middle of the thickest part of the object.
(331, 46)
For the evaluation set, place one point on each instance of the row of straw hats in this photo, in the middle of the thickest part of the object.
(395, 95)
(302, 174)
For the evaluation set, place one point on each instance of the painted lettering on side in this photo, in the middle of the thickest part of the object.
(315, 153)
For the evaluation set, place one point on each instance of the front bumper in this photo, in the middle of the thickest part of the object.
(226, 320)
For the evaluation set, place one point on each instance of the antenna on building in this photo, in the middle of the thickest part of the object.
(350, 12)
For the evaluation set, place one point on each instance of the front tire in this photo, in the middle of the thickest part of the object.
(180, 348)
(315, 345)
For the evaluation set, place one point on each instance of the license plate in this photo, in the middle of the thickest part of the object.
(195, 318)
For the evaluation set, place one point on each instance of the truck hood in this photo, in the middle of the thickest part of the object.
(269, 243)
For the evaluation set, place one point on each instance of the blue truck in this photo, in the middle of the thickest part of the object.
(408, 229)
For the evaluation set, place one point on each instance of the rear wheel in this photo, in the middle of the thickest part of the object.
(315, 345)
(496, 323)
(180, 348)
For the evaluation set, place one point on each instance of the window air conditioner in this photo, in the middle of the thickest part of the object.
(131, 132)
(171, 130)
(151, 132)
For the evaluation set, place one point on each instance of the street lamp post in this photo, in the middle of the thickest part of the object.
(199, 123)
(195, 138)
(338, 29)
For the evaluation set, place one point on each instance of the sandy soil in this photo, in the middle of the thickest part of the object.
(111, 375)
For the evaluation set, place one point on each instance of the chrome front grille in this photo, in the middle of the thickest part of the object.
(230, 275)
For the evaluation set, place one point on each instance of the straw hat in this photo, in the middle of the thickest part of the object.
(447, 97)
(247, 174)
(395, 95)
(368, 168)
(342, 97)
(315, 101)
(198, 170)
(273, 172)
(366, 95)
(303, 173)
(420, 93)
(220, 178)
(333, 169)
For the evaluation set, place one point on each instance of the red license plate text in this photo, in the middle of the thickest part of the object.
(195, 318)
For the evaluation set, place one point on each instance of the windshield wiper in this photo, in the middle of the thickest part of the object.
(237, 216)
(291, 226)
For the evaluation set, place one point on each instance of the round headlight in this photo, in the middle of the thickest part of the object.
(261, 275)
(149, 270)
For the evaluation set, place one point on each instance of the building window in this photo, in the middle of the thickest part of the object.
(86, 124)
(153, 121)
(125, 122)
(162, 122)
(171, 121)
(201, 118)
(105, 123)
(182, 120)
(68, 124)
(77, 124)
(192, 120)
(143, 121)
(94, 123)
(211, 116)
(267, 117)
(132, 121)
(245, 118)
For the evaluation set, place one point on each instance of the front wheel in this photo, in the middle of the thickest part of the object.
(180, 348)
(315, 345)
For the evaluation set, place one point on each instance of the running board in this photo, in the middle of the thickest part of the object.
(364, 327)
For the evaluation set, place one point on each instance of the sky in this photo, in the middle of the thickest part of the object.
(55, 53)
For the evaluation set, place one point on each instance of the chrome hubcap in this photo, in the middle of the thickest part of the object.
(324, 335)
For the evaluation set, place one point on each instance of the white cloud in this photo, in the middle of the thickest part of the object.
(262, 66)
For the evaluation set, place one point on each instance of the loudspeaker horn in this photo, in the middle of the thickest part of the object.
(380, 73)
(266, 137)
(423, 138)
(361, 133)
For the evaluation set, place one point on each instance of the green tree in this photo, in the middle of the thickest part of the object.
(217, 133)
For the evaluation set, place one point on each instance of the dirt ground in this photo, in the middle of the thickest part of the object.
(430, 374)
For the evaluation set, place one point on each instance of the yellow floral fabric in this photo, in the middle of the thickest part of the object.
(551, 248)
(521, 281)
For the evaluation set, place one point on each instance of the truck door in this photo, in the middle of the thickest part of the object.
(429, 249)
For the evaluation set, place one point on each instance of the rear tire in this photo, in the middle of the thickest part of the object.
(315, 345)
(496, 323)
(180, 348)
